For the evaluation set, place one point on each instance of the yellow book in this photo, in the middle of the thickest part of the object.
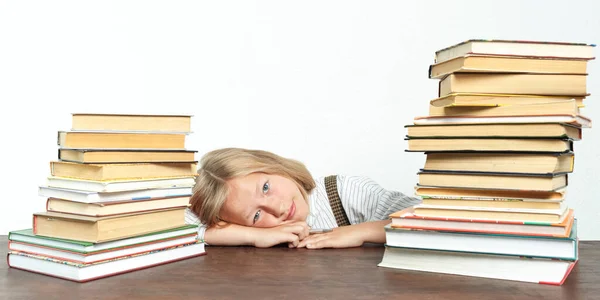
(120, 140)
(131, 122)
(103, 229)
(107, 172)
(568, 107)
(478, 100)
(526, 182)
(537, 84)
(532, 163)
(487, 213)
(503, 64)
(515, 130)
(487, 144)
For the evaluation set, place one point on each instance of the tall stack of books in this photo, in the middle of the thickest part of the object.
(116, 199)
(499, 147)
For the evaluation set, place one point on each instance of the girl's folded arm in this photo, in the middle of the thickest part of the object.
(225, 234)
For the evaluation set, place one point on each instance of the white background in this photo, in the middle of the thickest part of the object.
(331, 83)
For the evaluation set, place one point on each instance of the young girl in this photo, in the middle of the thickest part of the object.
(254, 197)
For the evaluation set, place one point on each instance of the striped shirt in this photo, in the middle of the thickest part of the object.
(362, 198)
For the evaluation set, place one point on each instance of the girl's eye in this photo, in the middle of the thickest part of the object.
(266, 187)
(256, 217)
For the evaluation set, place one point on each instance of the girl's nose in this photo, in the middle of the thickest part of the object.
(275, 207)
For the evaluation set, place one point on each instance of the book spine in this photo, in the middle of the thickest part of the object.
(34, 224)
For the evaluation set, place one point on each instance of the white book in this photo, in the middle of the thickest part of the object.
(87, 272)
(118, 185)
(99, 197)
(505, 244)
(536, 270)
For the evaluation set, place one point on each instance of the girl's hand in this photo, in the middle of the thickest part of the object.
(341, 237)
(292, 233)
(347, 236)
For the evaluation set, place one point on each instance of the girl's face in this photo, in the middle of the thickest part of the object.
(263, 200)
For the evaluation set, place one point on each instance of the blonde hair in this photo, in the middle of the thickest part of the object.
(218, 166)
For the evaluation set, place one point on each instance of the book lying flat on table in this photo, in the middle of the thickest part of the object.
(407, 219)
(536, 84)
(104, 172)
(516, 48)
(516, 130)
(507, 267)
(476, 63)
(493, 213)
(503, 162)
(100, 256)
(102, 229)
(500, 181)
(104, 209)
(27, 236)
(489, 144)
(579, 120)
(485, 243)
(121, 140)
(87, 272)
(102, 197)
(481, 99)
(557, 107)
(110, 186)
(430, 192)
(90, 156)
(131, 122)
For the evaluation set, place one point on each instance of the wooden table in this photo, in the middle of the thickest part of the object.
(282, 273)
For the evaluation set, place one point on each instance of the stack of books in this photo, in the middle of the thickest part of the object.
(499, 147)
(115, 199)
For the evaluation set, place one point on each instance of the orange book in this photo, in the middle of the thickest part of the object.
(407, 219)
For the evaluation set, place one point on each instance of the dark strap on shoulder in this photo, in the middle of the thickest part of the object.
(335, 202)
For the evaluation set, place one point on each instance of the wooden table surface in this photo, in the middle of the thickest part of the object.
(282, 273)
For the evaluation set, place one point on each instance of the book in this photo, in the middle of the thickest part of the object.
(500, 181)
(481, 99)
(485, 194)
(533, 163)
(103, 172)
(131, 122)
(90, 156)
(104, 209)
(103, 197)
(121, 140)
(507, 267)
(578, 120)
(102, 229)
(27, 236)
(515, 130)
(492, 213)
(407, 219)
(489, 144)
(516, 48)
(88, 272)
(101, 256)
(527, 84)
(110, 186)
(537, 109)
(485, 243)
(490, 198)
(474, 63)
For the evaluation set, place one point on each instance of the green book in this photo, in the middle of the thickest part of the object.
(27, 236)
